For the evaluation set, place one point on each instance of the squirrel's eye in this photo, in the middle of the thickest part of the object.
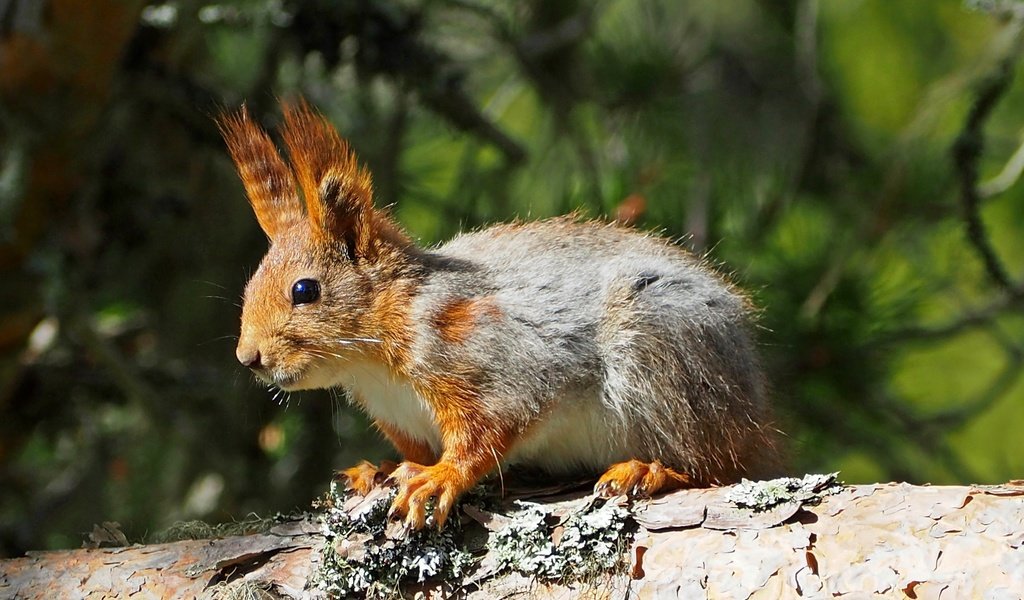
(305, 291)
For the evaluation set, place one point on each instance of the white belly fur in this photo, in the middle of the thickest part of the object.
(578, 435)
(575, 436)
(392, 399)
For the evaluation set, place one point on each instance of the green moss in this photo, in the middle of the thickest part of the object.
(240, 590)
(200, 530)
(581, 545)
(763, 495)
(363, 556)
(562, 542)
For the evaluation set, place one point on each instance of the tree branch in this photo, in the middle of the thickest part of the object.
(967, 151)
(890, 538)
(975, 319)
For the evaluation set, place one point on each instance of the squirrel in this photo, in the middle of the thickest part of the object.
(565, 345)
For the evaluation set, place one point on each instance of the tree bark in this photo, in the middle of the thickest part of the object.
(894, 540)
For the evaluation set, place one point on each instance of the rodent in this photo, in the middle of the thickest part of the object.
(567, 345)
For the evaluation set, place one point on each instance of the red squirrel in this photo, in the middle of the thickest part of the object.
(566, 345)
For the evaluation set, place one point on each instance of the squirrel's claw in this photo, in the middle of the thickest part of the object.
(365, 476)
(417, 485)
(636, 478)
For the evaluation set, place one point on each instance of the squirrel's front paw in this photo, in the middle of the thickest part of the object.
(365, 476)
(417, 484)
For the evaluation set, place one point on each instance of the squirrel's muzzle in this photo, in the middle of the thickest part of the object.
(249, 357)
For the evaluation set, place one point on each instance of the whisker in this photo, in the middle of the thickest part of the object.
(356, 340)
(217, 339)
(211, 283)
(501, 476)
(325, 353)
(335, 413)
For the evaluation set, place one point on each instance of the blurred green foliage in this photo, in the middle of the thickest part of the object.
(806, 145)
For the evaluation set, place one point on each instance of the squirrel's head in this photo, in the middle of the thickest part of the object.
(307, 308)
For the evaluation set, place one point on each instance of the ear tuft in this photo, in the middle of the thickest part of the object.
(269, 183)
(338, 192)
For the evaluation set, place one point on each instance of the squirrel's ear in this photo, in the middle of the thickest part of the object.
(338, 192)
(268, 182)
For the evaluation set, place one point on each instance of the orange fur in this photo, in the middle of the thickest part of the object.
(389, 321)
(268, 181)
(457, 408)
(412, 450)
(637, 478)
(337, 190)
(457, 319)
(365, 476)
(473, 445)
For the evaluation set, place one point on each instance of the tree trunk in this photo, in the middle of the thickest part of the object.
(896, 540)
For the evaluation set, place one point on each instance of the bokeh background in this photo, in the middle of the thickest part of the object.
(854, 165)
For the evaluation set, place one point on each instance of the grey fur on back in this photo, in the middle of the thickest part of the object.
(607, 344)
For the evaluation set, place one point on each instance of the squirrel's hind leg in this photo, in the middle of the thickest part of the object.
(640, 479)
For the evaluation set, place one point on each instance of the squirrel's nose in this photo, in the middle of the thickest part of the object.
(249, 357)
